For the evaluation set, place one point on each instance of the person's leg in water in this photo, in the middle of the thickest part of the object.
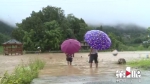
(70, 61)
(96, 65)
(96, 60)
(67, 59)
(90, 65)
(90, 60)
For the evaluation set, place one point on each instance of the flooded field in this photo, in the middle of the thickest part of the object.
(57, 71)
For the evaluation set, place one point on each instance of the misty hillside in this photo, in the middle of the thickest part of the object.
(122, 29)
(130, 33)
(5, 31)
(5, 28)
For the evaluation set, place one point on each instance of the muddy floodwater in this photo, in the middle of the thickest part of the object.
(56, 70)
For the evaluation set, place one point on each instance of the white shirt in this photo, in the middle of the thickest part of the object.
(94, 51)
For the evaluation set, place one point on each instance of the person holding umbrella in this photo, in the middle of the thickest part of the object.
(69, 58)
(93, 56)
(98, 40)
(69, 47)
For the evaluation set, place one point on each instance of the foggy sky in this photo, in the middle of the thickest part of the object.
(92, 11)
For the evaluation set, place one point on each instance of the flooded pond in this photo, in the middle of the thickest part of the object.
(57, 71)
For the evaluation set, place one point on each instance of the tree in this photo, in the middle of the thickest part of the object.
(100, 28)
(3, 38)
(115, 42)
(54, 32)
(5, 32)
(18, 33)
(137, 40)
(148, 30)
(48, 28)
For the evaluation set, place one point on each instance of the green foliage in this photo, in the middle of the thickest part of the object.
(116, 41)
(137, 40)
(5, 32)
(140, 47)
(149, 48)
(148, 30)
(18, 33)
(23, 74)
(5, 28)
(3, 38)
(126, 37)
(123, 47)
(48, 28)
(1, 49)
(146, 45)
(141, 63)
(130, 48)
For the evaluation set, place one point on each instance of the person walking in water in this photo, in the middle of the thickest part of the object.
(69, 58)
(93, 56)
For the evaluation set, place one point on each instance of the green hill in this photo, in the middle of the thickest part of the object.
(5, 31)
(130, 33)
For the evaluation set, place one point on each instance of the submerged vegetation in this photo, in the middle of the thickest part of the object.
(23, 74)
(140, 63)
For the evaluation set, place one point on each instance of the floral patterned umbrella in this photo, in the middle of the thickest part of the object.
(97, 39)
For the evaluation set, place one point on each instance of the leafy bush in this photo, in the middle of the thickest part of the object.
(130, 48)
(149, 48)
(23, 74)
(122, 47)
(140, 47)
(146, 45)
(1, 49)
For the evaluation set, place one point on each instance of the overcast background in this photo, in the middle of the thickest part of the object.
(92, 11)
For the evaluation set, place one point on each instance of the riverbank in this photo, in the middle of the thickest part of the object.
(143, 63)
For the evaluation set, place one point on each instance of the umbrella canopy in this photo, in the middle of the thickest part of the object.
(97, 39)
(70, 46)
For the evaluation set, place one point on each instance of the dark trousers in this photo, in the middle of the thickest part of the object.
(69, 59)
(93, 57)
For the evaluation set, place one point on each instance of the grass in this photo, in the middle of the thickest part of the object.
(24, 73)
(140, 63)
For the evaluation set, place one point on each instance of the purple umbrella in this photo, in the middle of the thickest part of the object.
(97, 39)
(70, 46)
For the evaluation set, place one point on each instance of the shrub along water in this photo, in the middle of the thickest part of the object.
(23, 74)
(143, 63)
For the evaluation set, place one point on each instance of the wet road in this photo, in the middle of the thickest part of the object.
(101, 79)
